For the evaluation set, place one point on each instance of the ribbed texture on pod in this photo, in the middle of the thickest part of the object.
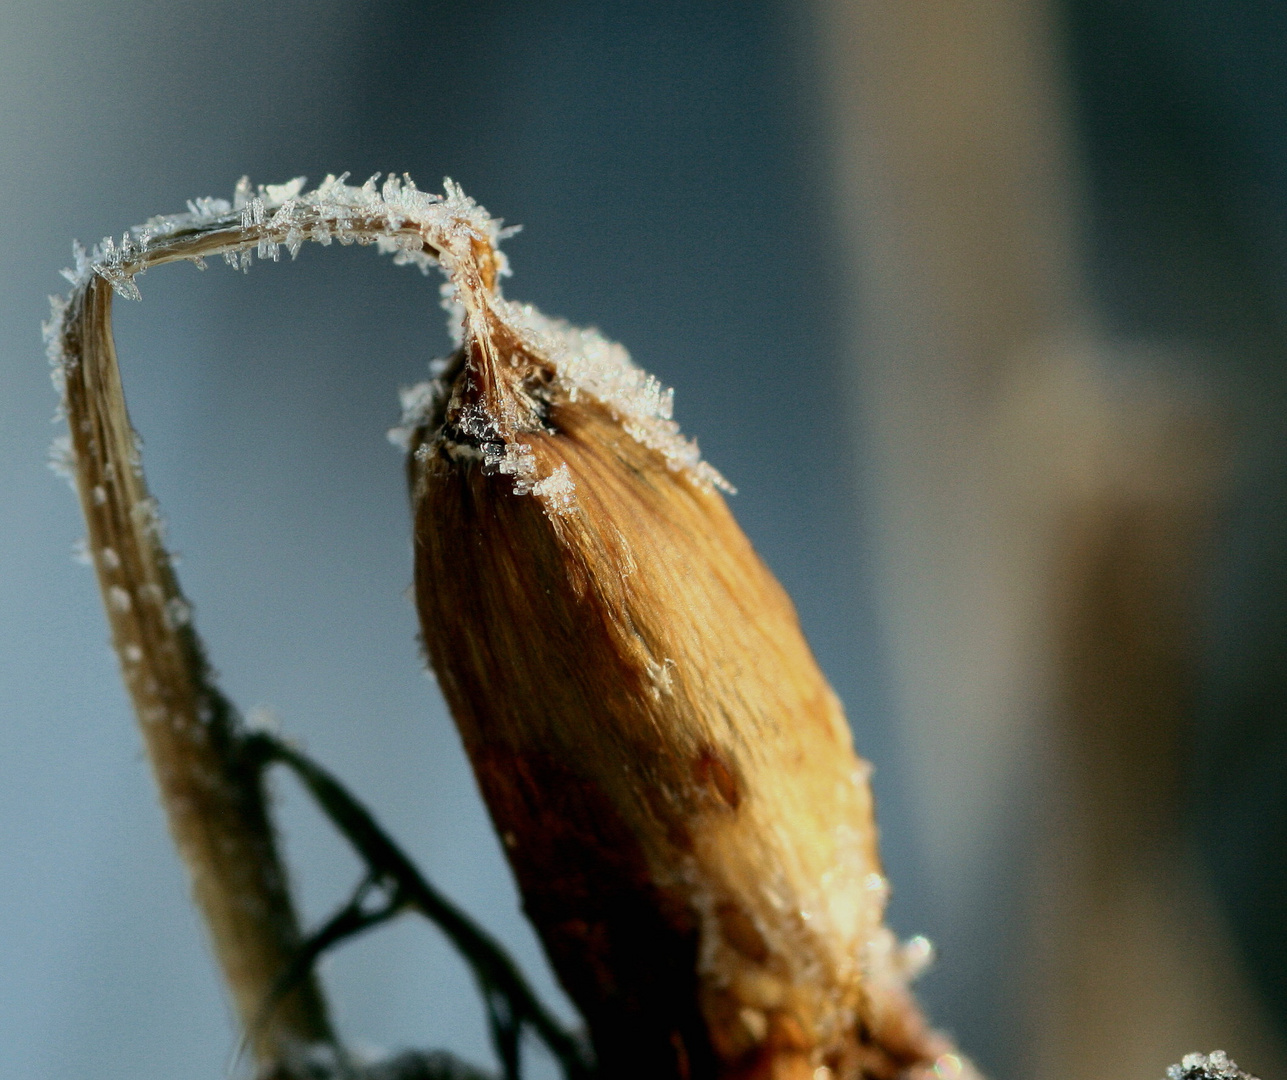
(672, 778)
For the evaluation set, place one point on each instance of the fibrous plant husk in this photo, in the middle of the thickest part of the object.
(672, 778)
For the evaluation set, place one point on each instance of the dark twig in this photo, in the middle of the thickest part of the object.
(348, 922)
(510, 1002)
(422, 1065)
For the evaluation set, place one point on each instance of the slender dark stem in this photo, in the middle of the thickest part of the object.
(506, 1032)
(510, 1002)
(352, 919)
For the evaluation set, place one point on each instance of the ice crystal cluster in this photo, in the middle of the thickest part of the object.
(1213, 1066)
(450, 232)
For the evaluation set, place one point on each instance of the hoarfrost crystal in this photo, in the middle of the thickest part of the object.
(417, 229)
(1213, 1066)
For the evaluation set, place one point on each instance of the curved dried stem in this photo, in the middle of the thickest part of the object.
(211, 792)
(215, 804)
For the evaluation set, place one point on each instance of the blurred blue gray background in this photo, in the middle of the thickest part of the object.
(673, 166)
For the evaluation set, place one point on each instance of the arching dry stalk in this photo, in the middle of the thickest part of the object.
(673, 779)
(212, 795)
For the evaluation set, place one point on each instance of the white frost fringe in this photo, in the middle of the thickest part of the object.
(418, 229)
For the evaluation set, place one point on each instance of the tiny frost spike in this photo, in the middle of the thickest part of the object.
(672, 778)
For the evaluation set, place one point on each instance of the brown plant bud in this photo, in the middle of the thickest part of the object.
(672, 777)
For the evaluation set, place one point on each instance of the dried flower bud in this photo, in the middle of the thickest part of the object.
(672, 777)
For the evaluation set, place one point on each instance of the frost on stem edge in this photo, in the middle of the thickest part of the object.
(421, 229)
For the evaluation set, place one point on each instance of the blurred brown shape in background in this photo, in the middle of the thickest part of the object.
(1040, 517)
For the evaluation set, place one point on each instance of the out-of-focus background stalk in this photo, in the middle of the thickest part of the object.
(982, 304)
(1050, 476)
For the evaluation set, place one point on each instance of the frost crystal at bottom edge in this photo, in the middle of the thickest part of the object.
(1213, 1066)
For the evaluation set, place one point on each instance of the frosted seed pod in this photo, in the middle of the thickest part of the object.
(673, 778)
(675, 781)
